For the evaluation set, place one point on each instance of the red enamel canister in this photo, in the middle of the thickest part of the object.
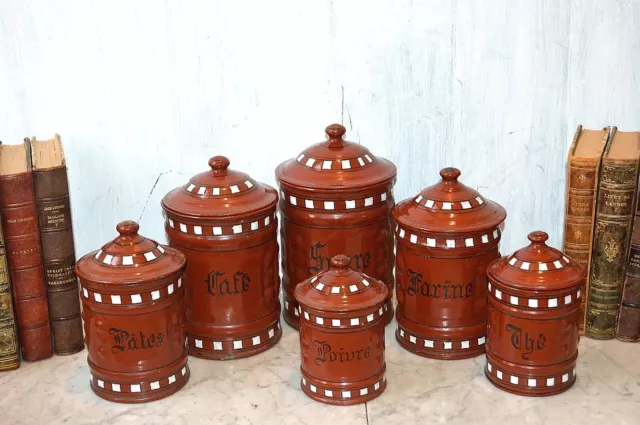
(133, 310)
(336, 198)
(342, 316)
(446, 237)
(225, 223)
(533, 318)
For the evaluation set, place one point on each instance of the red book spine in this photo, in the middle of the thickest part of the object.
(22, 238)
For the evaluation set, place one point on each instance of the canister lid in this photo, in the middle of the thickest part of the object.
(449, 207)
(341, 289)
(218, 193)
(335, 164)
(129, 258)
(537, 267)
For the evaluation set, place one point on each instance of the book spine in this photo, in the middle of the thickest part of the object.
(582, 182)
(20, 224)
(9, 356)
(629, 318)
(610, 246)
(58, 254)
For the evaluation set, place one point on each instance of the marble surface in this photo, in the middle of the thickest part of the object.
(265, 390)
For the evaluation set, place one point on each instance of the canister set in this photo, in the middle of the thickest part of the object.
(214, 292)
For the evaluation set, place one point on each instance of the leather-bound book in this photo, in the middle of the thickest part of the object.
(612, 234)
(20, 224)
(629, 319)
(56, 235)
(583, 167)
(9, 355)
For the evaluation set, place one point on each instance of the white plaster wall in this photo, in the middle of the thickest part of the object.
(144, 92)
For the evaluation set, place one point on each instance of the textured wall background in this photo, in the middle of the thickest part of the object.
(144, 92)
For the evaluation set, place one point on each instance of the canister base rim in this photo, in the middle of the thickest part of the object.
(240, 353)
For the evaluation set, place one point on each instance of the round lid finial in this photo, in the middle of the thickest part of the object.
(340, 261)
(538, 237)
(128, 228)
(450, 174)
(219, 164)
(335, 133)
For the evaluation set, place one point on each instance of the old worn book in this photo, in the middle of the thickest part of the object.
(9, 355)
(629, 318)
(583, 167)
(56, 235)
(612, 234)
(20, 224)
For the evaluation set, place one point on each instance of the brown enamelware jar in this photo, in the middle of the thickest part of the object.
(342, 316)
(133, 311)
(446, 236)
(336, 197)
(225, 223)
(532, 329)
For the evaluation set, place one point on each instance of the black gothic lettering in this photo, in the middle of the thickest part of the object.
(521, 341)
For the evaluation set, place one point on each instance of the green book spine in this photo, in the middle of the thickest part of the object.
(612, 233)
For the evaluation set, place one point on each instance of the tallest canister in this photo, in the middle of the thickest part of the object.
(336, 198)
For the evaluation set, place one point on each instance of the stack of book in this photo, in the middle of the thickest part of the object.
(37, 255)
(600, 230)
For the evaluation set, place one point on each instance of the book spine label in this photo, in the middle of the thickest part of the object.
(20, 223)
(56, 235)
(9, 356)
(579, 218)
(610, 247)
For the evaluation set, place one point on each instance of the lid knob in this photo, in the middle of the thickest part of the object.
(335, 133)
(450, 174)
(128, 228)
(538, 237)
(219, 165)
(340, 261)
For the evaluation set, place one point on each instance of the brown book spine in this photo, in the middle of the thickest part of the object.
(9, 355)
(58, 253)
(582, 184)
(612, 233)
(629, 318)
(20, 223)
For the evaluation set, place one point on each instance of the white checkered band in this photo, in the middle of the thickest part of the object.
(563, 379)
(341, 393)
(107, 259)
(502, 295)
(247, 226)
(339, 290)
(548, 266)
(266, 336)
(341, 322)
(450, 242)
(449, 205)
(336, 164)
(206, 191)
(178, 377)
(436, 344)
(128, 299)
(335, 204)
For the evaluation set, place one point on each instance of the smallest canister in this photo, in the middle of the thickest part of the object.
(532, 322)
(342, 334)
(133, 311)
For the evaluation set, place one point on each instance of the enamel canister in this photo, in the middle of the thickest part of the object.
(446, 237)
(133, 311)
(225, 223)
(336, 198)
(533, 319)
(342, 343)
